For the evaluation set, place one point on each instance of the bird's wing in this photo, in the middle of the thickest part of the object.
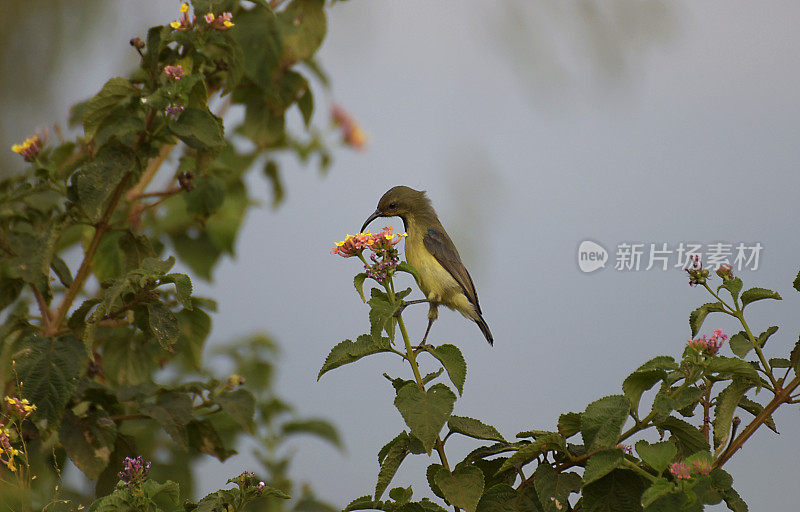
(442, 248)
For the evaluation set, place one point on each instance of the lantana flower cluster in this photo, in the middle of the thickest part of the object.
(134, 471)
(29, 148)
(248, 481)
(220, 22)
(697, 274)
(709, 345)
(185, 21)
(352, 132)
(683, 471)
(223, 21)
(384, 257)
(20, 408)
(7, 451)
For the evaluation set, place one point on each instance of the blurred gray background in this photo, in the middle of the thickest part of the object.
(534, 125)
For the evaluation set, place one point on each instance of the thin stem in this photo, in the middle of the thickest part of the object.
(639, 470)
(45, 311)
(100, 229)
(706, 408)
(764, 362)
(781, 396)
(149, 173)
(724, 304)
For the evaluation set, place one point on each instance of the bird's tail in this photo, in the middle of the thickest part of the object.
(485, 329)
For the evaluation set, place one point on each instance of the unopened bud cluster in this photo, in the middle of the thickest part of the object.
(134, 471)
(697, 274)
(683, 471)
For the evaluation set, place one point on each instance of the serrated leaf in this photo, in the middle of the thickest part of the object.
(473, 428)
(569, 424)
(660, 490)
(358, 282)
(601, 423)
(381, 314)
(733, 367)
(240, 405)
(659, 363)
(688, 438)
(348, 352)
(194, 326)
(92, 187)
(199, 129)
(205, 438)
(504, 498)
(697, 316)
(97, 109)
(430, 475)
(48, 371)
(740, 344)
(453, 361)
(88, 441)
(393, 455)
(183, 288)
(463, 487)
(657, 455)
(315, 427)
(61, 270)
(163, 324)
(755, 409)
(734, 286)
(602, 463)
(764, 336)
(638, 382)
(754, 294)
(553, 488)
(794, 357)
(425, 412)
(619, 491)
(166, 496)
(173, 410)
(407, 267)
(432, 375)
(726, 403)
(528, 452)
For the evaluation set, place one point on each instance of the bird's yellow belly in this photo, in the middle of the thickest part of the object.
(437, 284)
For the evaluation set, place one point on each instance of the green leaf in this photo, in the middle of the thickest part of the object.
(49, 369)
(407, 267)
(602, 463)
(425, 412)
(430, 475)
(401, 495)
(306, 105)
(205, 438)
(764, 336)
(381, 313)
(619, 491)
(348, 352)
(740, 344)
(504, 498)
(657, 455)
(163, 324)
(796, 282)
(688, 438)
(453, 361)
(92, 187)
(732, 367)
(358, 282)
(207, 196)
(199, 129)
(97, 109)
(302, 27)
(734, 286)
(754, 294)
(315, 427)
(432, 375)
(88, 441)
(726, 403)
(755, 409)
(554, 488)
(173, 410)
(569, 424)
(390, 458)
(240, 405)
(463, 487)
(183, 288)
(528, 452)
(473, 428)
(638, 382)
(601, 423)
(61, 270)
(697, 316)
(165, 496)
(662, 491)
(794, 357)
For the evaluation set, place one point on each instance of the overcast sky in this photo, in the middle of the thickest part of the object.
(534, 126)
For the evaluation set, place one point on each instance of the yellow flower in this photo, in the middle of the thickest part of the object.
(228, 24)
(175, 24)
(184, 7)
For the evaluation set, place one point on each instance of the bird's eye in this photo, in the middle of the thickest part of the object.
(392, 205)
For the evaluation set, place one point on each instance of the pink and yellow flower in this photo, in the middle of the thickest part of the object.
(221, 22)
(185, 21)
(352, 132)
(29, 148)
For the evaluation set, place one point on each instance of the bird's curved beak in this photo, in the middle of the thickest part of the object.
(372, 217)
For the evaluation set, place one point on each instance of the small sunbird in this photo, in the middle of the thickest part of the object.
(443, 277)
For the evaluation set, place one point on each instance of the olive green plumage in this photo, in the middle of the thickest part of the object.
(444, 278)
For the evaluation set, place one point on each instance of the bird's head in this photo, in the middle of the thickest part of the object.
(400, 201)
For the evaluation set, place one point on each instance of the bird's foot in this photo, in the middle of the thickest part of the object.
(404, 305)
